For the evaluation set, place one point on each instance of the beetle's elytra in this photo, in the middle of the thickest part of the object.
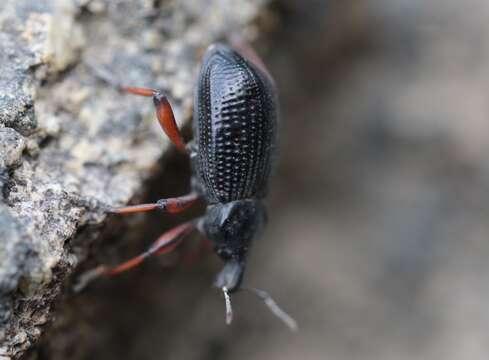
(235, 129)
(235, 121)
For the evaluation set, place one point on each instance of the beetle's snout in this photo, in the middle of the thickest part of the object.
(230, 276)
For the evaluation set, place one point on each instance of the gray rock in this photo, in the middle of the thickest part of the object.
(12, 144)
(70, 145)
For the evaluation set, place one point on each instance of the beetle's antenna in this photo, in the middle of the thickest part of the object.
(274, 308)
(229, 309)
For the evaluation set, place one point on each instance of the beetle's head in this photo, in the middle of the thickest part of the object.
(231, 227)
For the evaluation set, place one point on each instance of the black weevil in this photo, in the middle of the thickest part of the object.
(235, 124)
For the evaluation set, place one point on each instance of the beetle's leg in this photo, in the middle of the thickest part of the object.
(164, 113)
(165, 244)
(171, 205)
(245, 50)
(164, 110)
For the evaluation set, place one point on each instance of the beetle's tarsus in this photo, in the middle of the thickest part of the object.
(87, 277)
(170, 205)
(134, 209)
(139, 91)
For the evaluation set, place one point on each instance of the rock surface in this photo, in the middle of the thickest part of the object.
(70, 145)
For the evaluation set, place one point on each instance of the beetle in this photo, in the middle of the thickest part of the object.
(235, 133)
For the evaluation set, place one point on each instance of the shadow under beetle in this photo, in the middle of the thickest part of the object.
(235, 125)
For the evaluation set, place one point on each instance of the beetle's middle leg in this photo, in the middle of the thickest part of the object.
(164, 113)
(171, 205)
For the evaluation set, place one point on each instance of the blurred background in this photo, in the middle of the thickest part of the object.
(378, 237)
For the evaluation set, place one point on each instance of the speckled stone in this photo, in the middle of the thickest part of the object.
(70, 145)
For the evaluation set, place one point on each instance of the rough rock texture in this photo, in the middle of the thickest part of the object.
(378, 235)
(70, 145)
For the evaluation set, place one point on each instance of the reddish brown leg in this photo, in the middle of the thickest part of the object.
(165, 244)
(164, 113)
(171, 205)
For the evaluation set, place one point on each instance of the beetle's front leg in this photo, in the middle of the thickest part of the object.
(171, 205)
(163, 245)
